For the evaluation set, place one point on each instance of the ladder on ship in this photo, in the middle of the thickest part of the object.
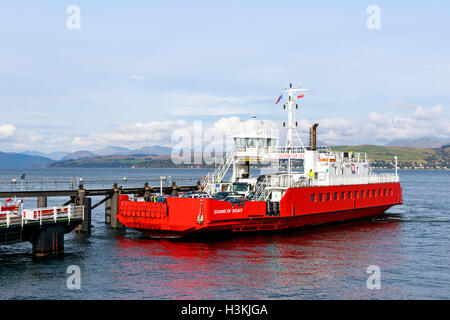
(261, 191)
(220, 171)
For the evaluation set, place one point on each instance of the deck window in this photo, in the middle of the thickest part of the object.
(342, 195)
(368, 193)
(379, 192)
(349, 195)
(356, 194)
(313, 197)
(328, 196)
(384, 192)
(335, 196)
(373, 193)
(362, 194)
(390, 191)
(320, 197)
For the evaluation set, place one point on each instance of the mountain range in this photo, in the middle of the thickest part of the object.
(30, 158)
(107, 151)
(20, 160)
(33, 159)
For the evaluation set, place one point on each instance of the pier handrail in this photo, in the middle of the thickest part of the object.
(42, 215)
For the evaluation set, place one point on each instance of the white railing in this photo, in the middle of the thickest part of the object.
(220, 171)
(298, 180)
(41, 215)
(259, 193)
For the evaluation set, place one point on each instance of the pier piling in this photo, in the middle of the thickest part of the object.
(41, 202)
(82, 200)
(108, 203)
(49, 240)
(115, 224)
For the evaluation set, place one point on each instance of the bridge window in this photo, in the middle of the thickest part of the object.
(313, 197)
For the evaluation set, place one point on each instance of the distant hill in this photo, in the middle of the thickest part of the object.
(79, 155)
(425, 156)
(418, 143)
(20, 160)
(58, 155)
(114, 150)
(388, 153)
(119, 161)
(160, 150)
(111, 150)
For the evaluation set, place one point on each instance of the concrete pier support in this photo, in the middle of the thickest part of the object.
(82, 200)
(147, 192)
(174, 189)
(42, 202)
(108, 211)
(115, 224)
(49, 240)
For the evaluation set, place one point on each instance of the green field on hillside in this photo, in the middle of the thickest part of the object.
(388, 153)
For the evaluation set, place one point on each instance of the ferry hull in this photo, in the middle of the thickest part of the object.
(299, 207)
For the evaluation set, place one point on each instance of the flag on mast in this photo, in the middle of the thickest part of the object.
(300, 96)
(281, 96)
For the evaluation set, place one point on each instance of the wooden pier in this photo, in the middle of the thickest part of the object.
(46, 229)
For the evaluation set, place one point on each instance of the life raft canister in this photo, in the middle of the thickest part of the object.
(352, 166)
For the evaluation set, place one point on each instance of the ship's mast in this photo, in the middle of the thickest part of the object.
(292, 106)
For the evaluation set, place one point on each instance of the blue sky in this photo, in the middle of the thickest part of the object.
(138, 69)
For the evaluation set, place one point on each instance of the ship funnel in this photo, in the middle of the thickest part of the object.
(313, 137)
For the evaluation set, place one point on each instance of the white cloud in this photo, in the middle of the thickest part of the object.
(133, 135)
(6, 130)
(374, 128)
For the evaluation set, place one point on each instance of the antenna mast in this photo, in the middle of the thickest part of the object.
(292, 106)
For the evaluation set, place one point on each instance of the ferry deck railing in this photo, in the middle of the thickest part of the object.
(41, 215)
(299, 180)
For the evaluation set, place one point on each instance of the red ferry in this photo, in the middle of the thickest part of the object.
(332, 187)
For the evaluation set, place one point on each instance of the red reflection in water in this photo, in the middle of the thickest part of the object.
(327, 261)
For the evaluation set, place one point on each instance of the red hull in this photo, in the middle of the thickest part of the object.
(299, 207)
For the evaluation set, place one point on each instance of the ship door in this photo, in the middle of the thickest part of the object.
(273, 208)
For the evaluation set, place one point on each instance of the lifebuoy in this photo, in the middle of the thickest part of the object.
(352, 166)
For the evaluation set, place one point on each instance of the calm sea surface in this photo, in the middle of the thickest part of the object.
(410, 244)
